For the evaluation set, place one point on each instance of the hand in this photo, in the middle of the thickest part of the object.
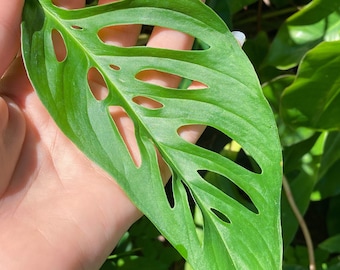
(58, 210)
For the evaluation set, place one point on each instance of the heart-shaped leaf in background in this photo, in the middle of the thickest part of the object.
(316, 22)
(317, 84)
(234, 236)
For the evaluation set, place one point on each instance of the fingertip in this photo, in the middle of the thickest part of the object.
(240, 37)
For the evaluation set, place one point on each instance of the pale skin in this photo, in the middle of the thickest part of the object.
(59, 210)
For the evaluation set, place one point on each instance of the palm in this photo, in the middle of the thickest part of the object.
(44, 199)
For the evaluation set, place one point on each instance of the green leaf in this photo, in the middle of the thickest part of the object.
(331, 244)
(319, 21)
(329, 183)
(237, 5)
(333, 221)
(232, 103)
(313, 99)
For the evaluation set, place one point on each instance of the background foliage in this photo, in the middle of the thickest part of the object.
(294, 46)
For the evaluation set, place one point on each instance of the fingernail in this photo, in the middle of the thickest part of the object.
(240, 37)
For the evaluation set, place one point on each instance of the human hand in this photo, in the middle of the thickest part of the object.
(59, 210)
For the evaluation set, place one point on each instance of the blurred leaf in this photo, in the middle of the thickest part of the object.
(302, 182)
(237, 5)
(332, 244)
(280, 3)
(108, 265)
(329, 185)
(319, 21)
(296, 258)
(232, 103)
(313, 99)
(293, 267)
(273, 90)
(331, 152)
(257, 48)
(221, 7)
(293, 155)
(289, 136)
(333, 219)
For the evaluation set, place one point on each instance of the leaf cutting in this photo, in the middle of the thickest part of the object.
(234, 236)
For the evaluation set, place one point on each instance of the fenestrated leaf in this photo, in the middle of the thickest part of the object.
(232, 103)
(312, 100)
(319, 21)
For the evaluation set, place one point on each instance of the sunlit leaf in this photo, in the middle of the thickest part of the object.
(329, 183)
(319, 21)
(232, 103)
(313, 99)
(331, 244)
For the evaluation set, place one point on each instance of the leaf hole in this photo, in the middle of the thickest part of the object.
(114, 67)
(76, 27)
(169, 80)
(229, 188)
(147, 102)
(170, 193)
(126, 128)
(220, 215)
(59, 45)
(140, 36)
(97, 84)
(198, 217)
(115, 35)
(216, 141)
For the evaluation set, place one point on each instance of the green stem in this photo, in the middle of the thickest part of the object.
(124, 254)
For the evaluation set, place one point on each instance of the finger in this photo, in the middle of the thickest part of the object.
(10, 18)
(168, 39)
(119, 35)
(124, 36)
(69, 4)
(240, 37)
(192, 133)
(12, 134)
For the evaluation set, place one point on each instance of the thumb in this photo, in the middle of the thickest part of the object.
(10, 18)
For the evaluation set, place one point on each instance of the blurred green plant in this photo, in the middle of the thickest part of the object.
(298, 65)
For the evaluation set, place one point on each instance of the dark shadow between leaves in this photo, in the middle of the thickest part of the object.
(230, 189)
(220, 215)
(216, 141)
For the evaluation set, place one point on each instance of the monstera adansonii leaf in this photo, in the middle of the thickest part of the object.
(235, 237)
